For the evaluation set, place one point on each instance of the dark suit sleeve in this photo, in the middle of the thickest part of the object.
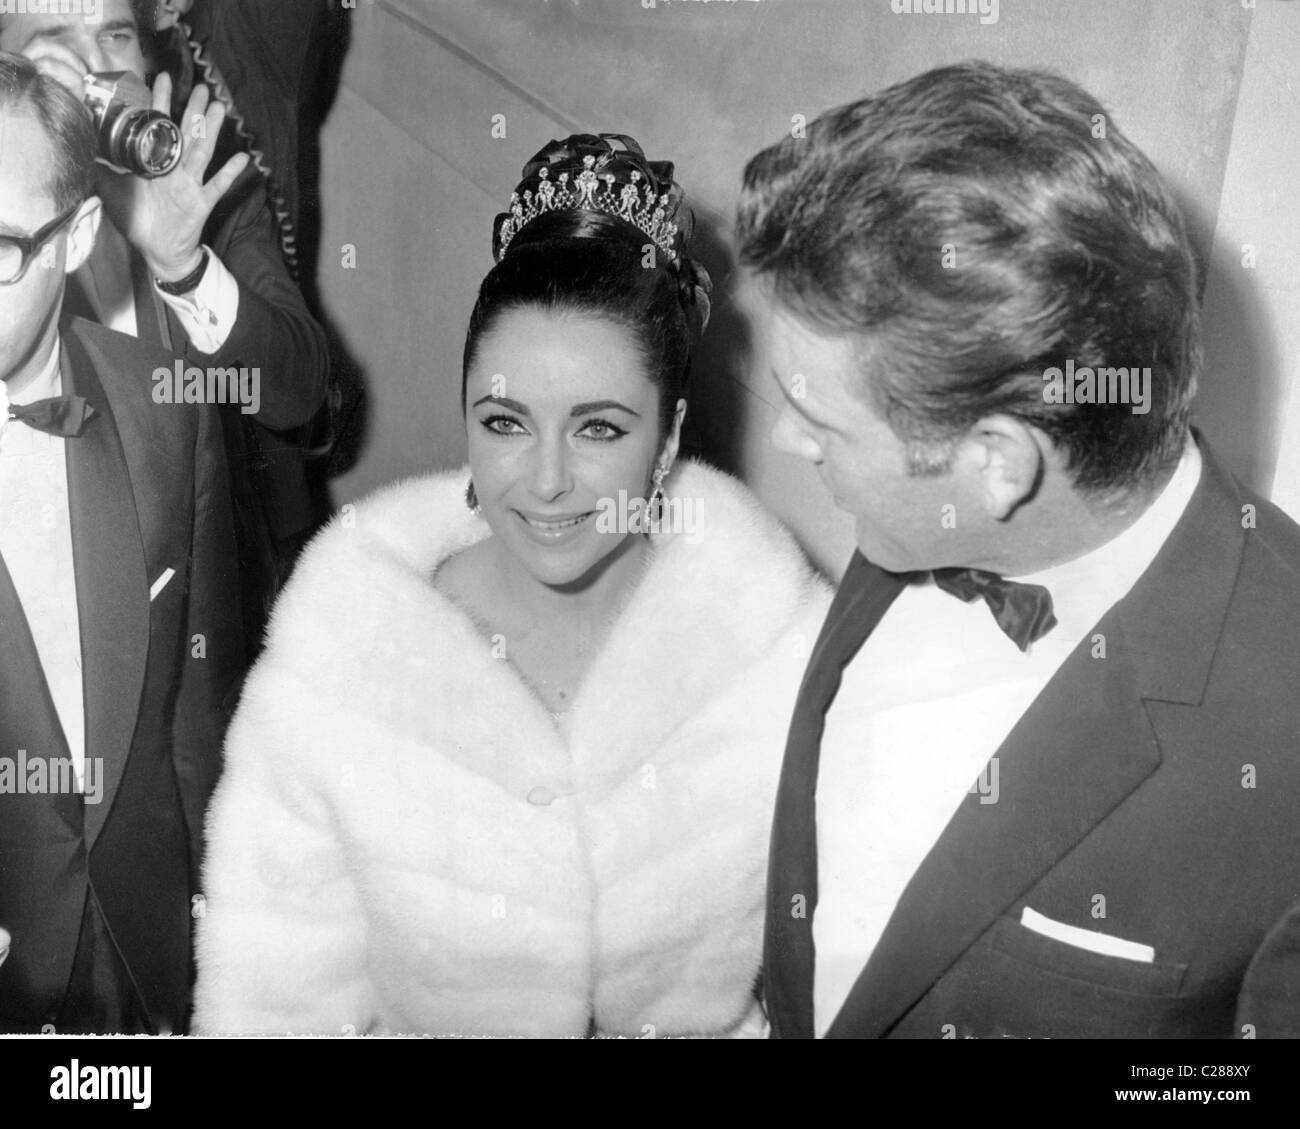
(271, 54)
(274, 331)
(1269, 1004)
(212, 666)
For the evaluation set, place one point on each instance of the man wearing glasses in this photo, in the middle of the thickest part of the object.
(119, 633)
(189, 261)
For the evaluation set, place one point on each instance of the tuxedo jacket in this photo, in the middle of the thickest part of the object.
(273, 332)
(161, 648)
(1151, 793)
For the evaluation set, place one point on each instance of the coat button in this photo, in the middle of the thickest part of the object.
(541, 796)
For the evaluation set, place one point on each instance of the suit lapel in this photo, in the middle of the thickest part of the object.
(1081, 748)
(863, 596)
(28, 720)
(112, 584)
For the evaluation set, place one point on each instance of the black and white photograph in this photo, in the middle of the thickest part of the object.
(712, 520)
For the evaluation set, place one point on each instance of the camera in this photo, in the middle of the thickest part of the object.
(132, 136)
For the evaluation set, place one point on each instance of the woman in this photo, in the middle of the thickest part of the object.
(508, 762)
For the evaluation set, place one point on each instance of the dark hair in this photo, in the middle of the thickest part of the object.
(1067, 246)
(583, 261)
(65, 122)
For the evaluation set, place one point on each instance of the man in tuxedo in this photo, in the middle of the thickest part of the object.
(120, 641)
(194, 265)
(1043, 773)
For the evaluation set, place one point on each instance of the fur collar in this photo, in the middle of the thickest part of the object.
(685, 626)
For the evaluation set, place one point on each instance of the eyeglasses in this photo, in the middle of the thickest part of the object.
(17, 251)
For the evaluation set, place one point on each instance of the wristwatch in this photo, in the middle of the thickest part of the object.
(186, 284)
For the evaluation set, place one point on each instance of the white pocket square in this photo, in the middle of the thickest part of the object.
(160, 584)
(1086, 938)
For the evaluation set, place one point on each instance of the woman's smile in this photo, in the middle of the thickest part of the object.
(550, 529)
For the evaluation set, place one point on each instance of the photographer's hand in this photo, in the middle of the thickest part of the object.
(164, 218)
(61, 63)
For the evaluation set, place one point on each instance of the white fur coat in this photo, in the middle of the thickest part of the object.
(404, 841)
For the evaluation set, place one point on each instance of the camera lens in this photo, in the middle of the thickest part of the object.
(158, 146)
(133, 137)
(149, 144)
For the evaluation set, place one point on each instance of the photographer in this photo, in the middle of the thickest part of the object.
(120, 647)
(194, 266)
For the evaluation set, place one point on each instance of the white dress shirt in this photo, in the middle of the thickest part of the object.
(207, 314)
(922, 708)
(36, 543)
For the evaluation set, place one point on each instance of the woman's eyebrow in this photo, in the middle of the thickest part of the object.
(602, 406)
(502, 401)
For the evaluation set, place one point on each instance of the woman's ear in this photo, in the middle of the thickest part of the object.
(668, 455)
(82, 232)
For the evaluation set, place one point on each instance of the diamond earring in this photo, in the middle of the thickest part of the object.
(655, 503)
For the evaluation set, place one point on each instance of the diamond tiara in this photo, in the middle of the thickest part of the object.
(635, 202)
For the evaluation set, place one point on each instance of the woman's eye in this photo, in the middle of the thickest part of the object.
(504, 425)
(118, 38)
(601, 430)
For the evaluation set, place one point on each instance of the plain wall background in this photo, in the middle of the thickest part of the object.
(412, 177)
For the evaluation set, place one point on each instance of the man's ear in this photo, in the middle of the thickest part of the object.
(1007, 460)
(82, 230)
(668, 455)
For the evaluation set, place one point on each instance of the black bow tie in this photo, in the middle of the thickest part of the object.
(1023, 611)
(59, 415)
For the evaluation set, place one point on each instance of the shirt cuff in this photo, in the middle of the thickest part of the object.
(208, 313)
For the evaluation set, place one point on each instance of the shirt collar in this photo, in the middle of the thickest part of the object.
(1084, 589)
(16, 438)
(49, 382)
